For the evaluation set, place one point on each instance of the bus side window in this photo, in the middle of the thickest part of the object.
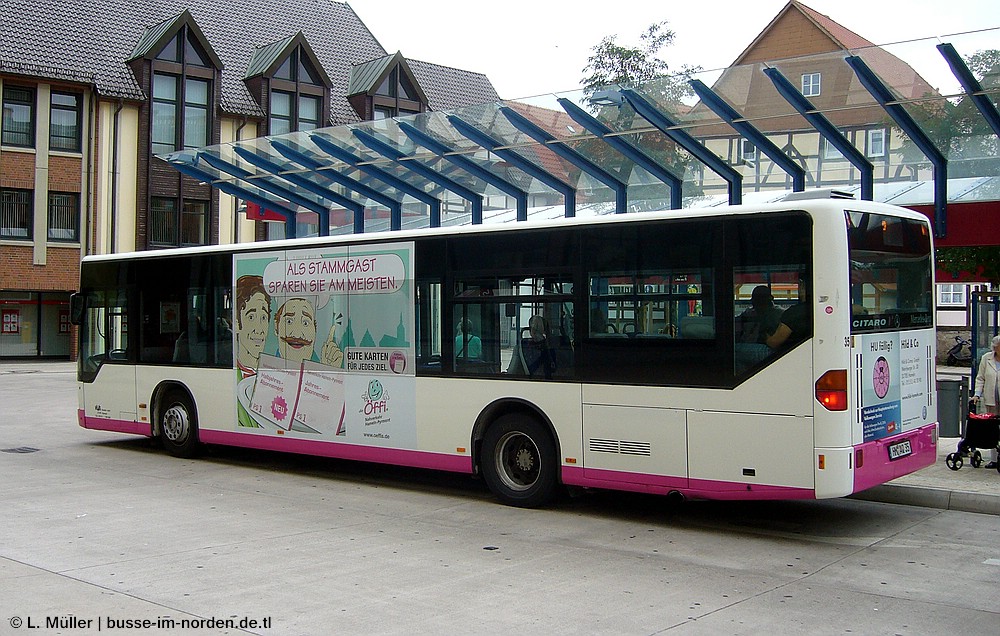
(428, 326)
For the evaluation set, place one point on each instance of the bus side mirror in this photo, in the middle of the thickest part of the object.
(77, 305)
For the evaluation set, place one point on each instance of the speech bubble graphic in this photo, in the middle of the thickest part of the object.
(322, 277)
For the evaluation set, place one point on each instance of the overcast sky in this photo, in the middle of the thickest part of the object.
(532, 47)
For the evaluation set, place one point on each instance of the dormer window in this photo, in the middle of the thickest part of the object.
(384, 88)
(182, 94)
(297, 95)
(290, 84)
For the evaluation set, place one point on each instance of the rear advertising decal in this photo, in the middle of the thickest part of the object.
(324, 345)
(894, 376)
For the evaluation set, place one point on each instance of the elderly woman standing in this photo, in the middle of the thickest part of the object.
(987, 386)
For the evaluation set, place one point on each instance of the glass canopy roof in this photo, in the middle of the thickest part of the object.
(872, 124)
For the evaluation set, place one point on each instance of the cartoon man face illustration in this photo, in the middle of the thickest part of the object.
(253, 313)
(295, 326)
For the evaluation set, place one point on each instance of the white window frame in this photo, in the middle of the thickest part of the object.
(831, 152)
(748, 151)
(952, 294)
(811, 84)
(876, 142)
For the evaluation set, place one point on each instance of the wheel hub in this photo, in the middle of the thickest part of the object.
(524, 460)
(175, 424)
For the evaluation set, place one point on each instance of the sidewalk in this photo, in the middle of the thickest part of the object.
(968, 489)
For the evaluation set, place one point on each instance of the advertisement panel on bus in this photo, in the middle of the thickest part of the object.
(324, 342)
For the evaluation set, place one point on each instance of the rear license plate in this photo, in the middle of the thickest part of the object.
(900, 450)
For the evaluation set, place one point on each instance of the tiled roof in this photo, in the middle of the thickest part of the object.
(89, 41)
(449, 88)
(838, 33)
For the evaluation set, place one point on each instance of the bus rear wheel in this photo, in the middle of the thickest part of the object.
(178, 424)
(519, 461)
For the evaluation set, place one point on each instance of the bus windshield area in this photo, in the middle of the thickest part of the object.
(104, 329)
(891, 273)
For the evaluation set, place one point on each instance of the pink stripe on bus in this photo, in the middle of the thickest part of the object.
(341, 450)
(691, 488)
(116, 426)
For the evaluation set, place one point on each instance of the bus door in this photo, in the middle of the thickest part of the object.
(107, 359)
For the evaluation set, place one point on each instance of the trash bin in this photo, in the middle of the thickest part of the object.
(952, 402)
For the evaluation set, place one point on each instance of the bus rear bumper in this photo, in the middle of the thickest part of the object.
(886, 459)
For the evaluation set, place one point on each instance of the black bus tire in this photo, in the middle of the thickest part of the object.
(178, 424)
(519, 462)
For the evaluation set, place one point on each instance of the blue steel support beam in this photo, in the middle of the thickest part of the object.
(971, 85)
(304, 160)
(357, 162)
(531, 129)
(221, 164)
(680, 137)
(827, 130)
(722, 108)
(637, 156)
(299, 180)
(473, 168)
(519, 162)
(424, 171)
(886, 99)
(241, 193)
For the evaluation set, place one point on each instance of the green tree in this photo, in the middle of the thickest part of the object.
(614, 64)
(983, 260)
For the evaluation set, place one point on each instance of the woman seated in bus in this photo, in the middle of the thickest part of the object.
(468, 346)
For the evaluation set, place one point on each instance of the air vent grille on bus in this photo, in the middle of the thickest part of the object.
(620, 447)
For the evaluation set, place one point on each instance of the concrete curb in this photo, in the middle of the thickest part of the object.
(940, 498)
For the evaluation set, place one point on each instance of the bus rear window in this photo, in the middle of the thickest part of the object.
(890, 273)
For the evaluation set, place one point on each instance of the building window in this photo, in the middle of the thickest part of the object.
(64, 216)
(951, 294)
(297, 96)
(170, 227)
(876, 143)
(18, 117)
(281, 113)
(195, 112)
(748, 152)
(65, 115)
(396, 96)
(194, 223)
(15, 214)
(182, 96)
(810, 84)
(163, 222)
(830, 151)
(164, 113)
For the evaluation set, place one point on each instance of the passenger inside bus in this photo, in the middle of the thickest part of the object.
(796, 321)
(535, 354)
(468, 345)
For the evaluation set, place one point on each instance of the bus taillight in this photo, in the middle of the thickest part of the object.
(831, 390)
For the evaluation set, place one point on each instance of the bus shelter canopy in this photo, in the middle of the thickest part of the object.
(713, 137)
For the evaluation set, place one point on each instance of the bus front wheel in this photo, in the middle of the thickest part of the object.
(519, 461)
(178, 424)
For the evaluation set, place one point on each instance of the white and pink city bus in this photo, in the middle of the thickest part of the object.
(783, 351)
